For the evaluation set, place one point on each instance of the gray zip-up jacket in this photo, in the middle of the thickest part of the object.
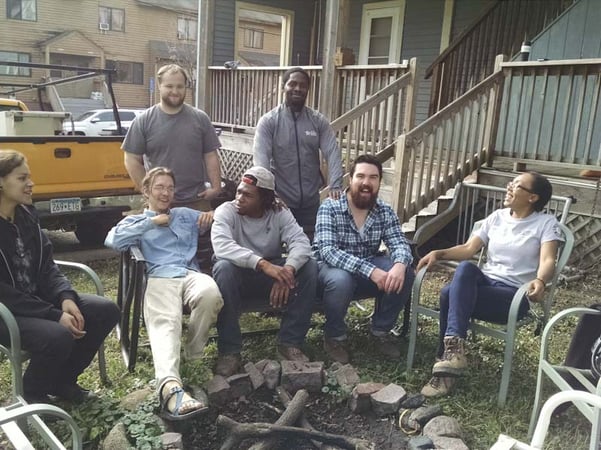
(288, 144)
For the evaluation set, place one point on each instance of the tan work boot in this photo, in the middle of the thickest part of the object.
(453, 362)
(438, 387)
(228, 365)
(337, 350)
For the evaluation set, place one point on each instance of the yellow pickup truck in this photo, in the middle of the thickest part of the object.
(80, 181)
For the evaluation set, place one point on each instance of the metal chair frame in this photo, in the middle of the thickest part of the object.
(472, 203)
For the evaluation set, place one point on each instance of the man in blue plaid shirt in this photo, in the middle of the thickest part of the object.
(348, 235)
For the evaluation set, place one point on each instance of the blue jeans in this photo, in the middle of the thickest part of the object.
(238, 284)
(339, 287)
(472, 294)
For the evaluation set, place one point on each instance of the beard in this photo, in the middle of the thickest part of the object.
(173, 103)
(362, 202)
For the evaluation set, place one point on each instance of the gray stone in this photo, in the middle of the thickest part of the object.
(360, 401)
(199, 394)
(420, 443)
(387, 400)
(256, 377)
(448, 443)
(413, 401)
(117, 438)
(346, 376)
(132, 401)
(172, 441)
(240, 385)
(443, 426)
(271, 372)
(424, 414)
(302, 375)
(219, 390)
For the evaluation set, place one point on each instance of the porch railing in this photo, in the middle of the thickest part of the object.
(239, 97)
(445, 148)
(499, 30)
(380, 108)
(550, 112)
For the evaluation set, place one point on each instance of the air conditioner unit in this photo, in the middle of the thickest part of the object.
(104, 26)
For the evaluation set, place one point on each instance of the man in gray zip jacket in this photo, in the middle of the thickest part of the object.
(287, 141)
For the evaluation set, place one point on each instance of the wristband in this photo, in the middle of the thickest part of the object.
(541, 280)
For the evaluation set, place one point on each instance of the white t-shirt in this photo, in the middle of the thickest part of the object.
(514, 245)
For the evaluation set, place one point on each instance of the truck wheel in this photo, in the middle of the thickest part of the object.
(90, 232)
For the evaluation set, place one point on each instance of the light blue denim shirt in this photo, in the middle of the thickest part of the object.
(169, 251)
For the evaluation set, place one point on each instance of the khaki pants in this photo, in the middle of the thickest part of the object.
(163, 316)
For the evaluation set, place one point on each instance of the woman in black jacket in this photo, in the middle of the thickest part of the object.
(61, 329)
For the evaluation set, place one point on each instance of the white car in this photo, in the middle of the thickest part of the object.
(91, 123)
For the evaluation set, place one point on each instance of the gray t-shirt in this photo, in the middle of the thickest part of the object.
(176, 141)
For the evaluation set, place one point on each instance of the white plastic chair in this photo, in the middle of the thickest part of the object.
(542, 425)
(559, 375)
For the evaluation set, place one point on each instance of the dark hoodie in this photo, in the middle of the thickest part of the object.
(31, 285)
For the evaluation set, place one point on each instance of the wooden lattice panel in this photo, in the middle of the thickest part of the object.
(587, 236)
(234, 163)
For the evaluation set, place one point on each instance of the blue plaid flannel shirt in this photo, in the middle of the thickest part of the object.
(340, 244)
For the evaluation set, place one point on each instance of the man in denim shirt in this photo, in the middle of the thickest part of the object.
(348, 235)
(168, 239)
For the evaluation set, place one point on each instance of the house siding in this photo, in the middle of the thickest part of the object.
(574, 35)
(142, 24)
(465, 13)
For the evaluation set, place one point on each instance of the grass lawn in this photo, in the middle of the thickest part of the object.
(474, 402)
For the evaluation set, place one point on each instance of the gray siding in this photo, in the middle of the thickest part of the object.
(421, 39)
(574, 35)
(465, 13)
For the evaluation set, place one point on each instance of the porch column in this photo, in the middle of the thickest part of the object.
(204, 53)
(328, 75)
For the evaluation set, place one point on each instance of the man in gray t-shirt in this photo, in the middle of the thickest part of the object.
(178, 136)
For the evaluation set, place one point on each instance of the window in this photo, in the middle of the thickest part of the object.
(22, 9)
(111, 19)
(127, 72)
(253, 38)
(186, 29)
(12, 70)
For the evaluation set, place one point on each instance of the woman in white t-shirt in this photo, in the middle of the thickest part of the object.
(521, 245)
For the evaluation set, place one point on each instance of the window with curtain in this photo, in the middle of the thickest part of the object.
(22, 9)
(128, 72)
(113, 17)
(12, 70)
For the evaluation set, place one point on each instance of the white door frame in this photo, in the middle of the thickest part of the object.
(394, 8)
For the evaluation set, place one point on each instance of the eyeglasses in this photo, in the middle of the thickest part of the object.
(515, 187)
(161, 188)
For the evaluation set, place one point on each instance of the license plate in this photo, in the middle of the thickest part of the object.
(63, 205)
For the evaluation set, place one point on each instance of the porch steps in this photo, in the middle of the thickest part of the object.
(78, 106)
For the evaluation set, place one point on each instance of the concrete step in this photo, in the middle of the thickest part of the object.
(78, 106)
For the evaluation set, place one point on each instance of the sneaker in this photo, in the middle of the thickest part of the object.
(228, 365)
(438, 387)
(387, 345)
(73, 393)
(286, 353)
(454, 361)
(337, 350)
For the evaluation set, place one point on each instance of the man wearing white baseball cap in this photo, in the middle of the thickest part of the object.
(247, 236)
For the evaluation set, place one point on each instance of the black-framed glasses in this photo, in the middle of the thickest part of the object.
(516, 186)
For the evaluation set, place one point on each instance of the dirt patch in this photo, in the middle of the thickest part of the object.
(325, 415)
